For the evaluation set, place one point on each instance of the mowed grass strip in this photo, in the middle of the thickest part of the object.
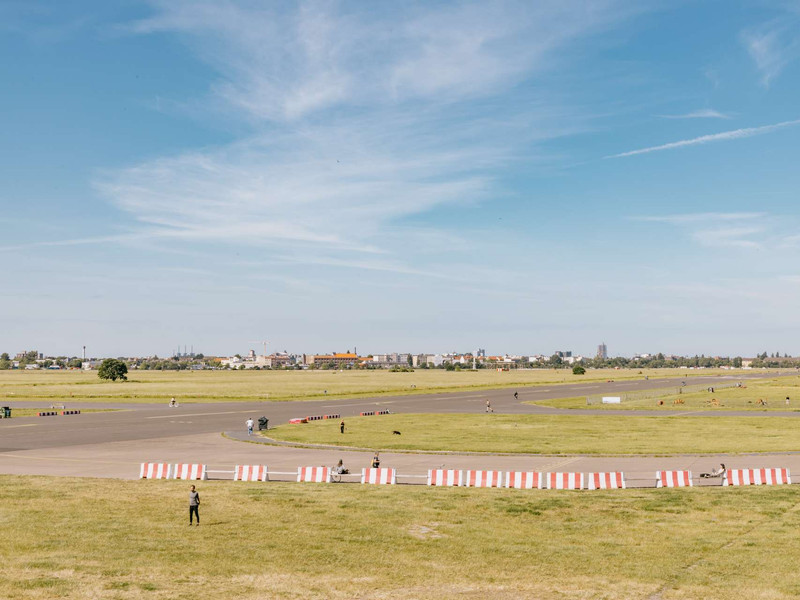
(258, 386)
(83, 538)
(552, 434)
(773, 392)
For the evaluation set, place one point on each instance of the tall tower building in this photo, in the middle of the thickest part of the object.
(602, 351)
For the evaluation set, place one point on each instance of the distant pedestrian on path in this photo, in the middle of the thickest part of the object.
(341, 427)
(250, 426)
(489, 407)
(516, 395)
(194, 506)
(376, 461)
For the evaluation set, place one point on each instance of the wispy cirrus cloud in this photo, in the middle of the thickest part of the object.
(704, 113)
(735, 134)
(718, 229)
(771, 46)
(341, 101)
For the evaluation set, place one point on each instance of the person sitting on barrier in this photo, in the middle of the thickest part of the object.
(376, 461)
(340, 468)
(720, 472)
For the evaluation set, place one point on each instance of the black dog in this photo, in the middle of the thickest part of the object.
(395, 432)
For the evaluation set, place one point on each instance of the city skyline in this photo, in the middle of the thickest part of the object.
(448, 175)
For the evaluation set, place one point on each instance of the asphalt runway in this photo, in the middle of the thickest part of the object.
(113, 444)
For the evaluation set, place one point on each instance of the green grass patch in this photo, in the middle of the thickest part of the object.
(772, 391)
(257, 386)
(82, 538)
(552, 434)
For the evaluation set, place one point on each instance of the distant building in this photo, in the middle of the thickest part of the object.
(602, 351)
(338, 359)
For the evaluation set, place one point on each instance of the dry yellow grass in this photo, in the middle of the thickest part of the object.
(104, 539)
(239, 386)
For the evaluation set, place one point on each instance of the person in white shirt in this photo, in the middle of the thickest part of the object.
(249, 426)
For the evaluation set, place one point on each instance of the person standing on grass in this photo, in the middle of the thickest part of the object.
(194, 506)
(250, 426)
(341, 426)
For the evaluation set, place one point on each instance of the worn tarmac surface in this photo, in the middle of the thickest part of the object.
(113, 444)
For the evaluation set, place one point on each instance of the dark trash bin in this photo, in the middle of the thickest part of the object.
(6, 410)
(263, 423)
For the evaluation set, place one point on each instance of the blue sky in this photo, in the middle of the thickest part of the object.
(517, 176)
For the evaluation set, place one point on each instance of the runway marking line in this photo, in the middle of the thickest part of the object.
(25, 425)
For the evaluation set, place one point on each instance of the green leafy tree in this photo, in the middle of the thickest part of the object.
(113, 369)
(578, 370)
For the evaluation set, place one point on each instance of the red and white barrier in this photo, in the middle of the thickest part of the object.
(314, 474)
(564, 481)
(673, 479)
(189, 471)
(70, 412)
(298, 420)
(368, 413)
(481, 479)
(314, 418)
(606, 481)
(155, 471)
(379, 476)
(444, 477)
(250, 473)
(525, 480)
(48, 413)
(756, 477)
(332, 416)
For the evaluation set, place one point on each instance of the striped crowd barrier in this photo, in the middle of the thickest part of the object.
(47, 413)
(444, 477)
(332, 416)
(606, 481)
(379, 476)
(155, 471)
(756, 477)
(525, 480)
(369, 413)
(315, 418)
(190, 471)
(250, 473)
(70, 412)
(481, 479)
(298, 420)
(673, 479)
(382, 412)
(564, 481)
(314, 474)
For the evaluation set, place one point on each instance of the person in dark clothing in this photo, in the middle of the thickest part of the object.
(516, 395)
(194, 506)
(376, 461)
(341, 426)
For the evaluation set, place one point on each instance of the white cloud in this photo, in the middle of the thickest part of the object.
(714, 137)
(704, 113)
(688, 218)
(715, 229)
(360, 117)
(771, 46)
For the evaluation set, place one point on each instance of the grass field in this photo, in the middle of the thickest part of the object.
(772, 391)
(242, 386)
(553, 434)
(83, 538)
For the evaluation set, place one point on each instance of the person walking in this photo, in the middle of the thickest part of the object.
(249, 424)
(194, 506)
(489, 407)
(516, 395)
(341, 426)
(376, 461)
